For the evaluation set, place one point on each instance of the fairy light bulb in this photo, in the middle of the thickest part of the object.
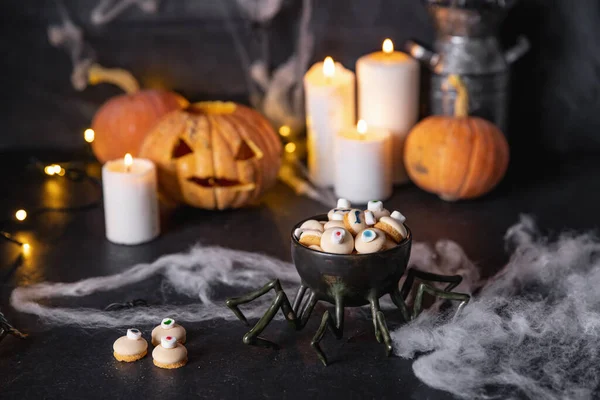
(89, 135)
(328, 67)
(284, 130)
(388, 46)
(20, 215)
(290, 147)
(49, 170)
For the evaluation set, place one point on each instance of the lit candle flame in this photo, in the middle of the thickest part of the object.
(89, 135)
(361, 127)
(388, 46)
(26, 248)
(128, 160)
(328, 67)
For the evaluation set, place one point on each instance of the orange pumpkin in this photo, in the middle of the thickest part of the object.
(456, 157)
(121, 124)
(214, 155)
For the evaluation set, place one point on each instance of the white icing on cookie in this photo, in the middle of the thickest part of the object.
(313, 225)
(370, 218)
(134, 334)
(354, 221)
(168, 342)
(398, 216)
(337, 241)
(395, 224)
(370, 240)
(297, 233)
(333, 224)
(315, 247)
(167, 323)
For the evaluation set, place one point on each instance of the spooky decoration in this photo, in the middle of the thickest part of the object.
(456, 157)
(121, 124)
(346, 280)
(214, 155)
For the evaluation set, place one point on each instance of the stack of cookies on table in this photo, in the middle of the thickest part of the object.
(354, 231)
(169, 339)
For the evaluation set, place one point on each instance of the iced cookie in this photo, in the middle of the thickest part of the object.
(310, 237)
(376, 207)
(337, 214)
(393, 226)
(168, 327)
(130, 347)
(338, 241)
(169, 354)
(312, 225)
(334, 224)
(315, 247)
(370, 240)
(354, 221)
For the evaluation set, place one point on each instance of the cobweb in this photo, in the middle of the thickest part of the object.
(533, 331)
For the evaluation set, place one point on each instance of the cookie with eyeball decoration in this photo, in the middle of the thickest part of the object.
(370, 218)
(337, 213)
(337, 241)
(354, 221)
(310, 237)
(370, 240)
(169, 354)
(393, 226)
(376, 207)
(334, 224)
(131, 347)
(312, 225)
(168, 327)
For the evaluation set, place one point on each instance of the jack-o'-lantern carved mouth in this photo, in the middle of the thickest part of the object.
(221, 183)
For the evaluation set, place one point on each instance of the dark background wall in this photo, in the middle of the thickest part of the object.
(186, 46)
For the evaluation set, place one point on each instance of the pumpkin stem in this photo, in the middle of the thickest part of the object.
(461, 105)
(117, 76)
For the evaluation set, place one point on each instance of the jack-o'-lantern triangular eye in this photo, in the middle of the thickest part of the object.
(181, 149)
(247, 151)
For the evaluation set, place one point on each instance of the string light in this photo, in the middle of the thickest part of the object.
(89, 135)
(20, 215)
(285, 131)
(290, 147)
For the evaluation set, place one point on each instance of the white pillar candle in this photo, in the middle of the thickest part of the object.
(388, 97)
(363, 169)
(330, 107)
(130, 200)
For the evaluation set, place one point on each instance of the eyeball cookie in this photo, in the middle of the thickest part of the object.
(312, 225)
(354, 221)
(376, 207)
(310, 237)
(334, 224)
(131, 347)
(370, 240)
(168, 327)
(337, 214)
(337, 241)
(393, 226)
(169, 354)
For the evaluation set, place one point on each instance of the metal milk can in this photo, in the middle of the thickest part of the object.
(466, 44)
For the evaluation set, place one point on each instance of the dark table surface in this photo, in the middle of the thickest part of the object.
(72, 363)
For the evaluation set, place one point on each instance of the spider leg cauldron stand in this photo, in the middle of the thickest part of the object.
(352, 280)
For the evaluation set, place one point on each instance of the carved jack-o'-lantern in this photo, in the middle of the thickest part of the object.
(214, 155)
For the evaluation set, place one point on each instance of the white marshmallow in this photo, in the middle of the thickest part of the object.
(167, 323)
(375, 205)
(343, 203)
(398, 217)
(338, 235)
(370, 218)
(168, 342)
(134, 334)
